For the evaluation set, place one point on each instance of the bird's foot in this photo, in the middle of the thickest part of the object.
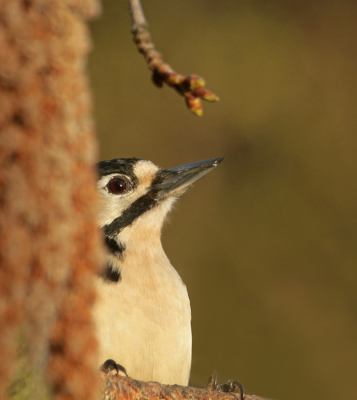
(111, 365)
(230, 386)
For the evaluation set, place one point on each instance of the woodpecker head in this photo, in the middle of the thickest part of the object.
(136, 196)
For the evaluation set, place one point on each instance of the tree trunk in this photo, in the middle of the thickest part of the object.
(49, 242)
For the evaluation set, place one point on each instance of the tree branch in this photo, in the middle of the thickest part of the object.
(191, 87)
(115, 387)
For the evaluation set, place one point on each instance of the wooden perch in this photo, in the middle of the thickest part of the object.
(115, 387)
(191, 87)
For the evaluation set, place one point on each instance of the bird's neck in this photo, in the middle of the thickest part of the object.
(143, 248)
(137, 249)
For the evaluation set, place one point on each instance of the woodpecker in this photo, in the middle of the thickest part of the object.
(143, 313)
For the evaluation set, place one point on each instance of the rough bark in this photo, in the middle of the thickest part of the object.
(49, 242)
(116, 387)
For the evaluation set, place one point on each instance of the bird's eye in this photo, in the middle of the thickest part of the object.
(117, 186)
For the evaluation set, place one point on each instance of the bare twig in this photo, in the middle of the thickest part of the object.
(191, 87)
(115, 387)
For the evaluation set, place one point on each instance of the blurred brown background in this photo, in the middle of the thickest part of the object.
(266, 244)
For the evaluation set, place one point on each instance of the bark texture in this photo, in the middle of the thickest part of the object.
(49, 241)
(121, 388)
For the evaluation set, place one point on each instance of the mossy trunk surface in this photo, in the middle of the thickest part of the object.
(49, 241)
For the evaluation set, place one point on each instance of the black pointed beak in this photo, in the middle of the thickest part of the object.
(176, 180)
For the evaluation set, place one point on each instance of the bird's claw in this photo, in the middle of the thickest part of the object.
(111, 365)
(231, 386)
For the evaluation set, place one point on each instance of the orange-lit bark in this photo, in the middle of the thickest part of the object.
(49, 242)
(121, 388)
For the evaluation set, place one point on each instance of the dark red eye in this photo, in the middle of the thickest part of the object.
(117, 186)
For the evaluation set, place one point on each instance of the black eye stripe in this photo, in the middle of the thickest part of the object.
(139, 207)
